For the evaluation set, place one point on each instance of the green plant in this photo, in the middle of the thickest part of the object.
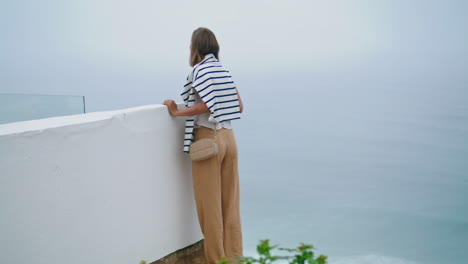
(302, 254)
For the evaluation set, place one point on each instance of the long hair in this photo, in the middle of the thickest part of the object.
(203, 42)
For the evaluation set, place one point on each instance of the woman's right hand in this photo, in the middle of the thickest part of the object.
(171, 106)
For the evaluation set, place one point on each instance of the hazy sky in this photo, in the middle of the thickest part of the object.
(102, 47)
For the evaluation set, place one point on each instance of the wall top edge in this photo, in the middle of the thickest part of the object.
(61, 121)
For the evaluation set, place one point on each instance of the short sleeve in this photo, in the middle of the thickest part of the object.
(204, 87)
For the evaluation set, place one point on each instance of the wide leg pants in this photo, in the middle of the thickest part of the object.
(216, 189)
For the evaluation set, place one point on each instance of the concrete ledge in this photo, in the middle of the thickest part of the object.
(102, 187)
(192, 254)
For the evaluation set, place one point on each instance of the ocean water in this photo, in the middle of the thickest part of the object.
(367, 168)
(22, 107)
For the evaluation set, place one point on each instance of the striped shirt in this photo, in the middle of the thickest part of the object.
(215, 87)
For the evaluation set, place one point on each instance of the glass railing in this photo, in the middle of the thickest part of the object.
(22, 107)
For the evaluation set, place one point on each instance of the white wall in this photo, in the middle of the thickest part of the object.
(102, 187)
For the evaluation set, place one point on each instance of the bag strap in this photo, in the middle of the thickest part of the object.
(215, 132)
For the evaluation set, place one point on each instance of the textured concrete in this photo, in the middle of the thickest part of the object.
(192, 254)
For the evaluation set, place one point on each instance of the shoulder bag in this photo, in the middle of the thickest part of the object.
(204, 148)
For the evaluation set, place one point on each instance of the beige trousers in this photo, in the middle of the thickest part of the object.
(216, 189)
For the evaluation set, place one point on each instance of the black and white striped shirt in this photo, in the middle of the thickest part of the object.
(215, 87)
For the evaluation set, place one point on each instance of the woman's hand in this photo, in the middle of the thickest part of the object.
(171, 106)
(196, 109)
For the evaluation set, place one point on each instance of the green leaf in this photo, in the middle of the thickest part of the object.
(304, 254)
(264, 248)
(322, 259)
(223, 260)
(303, 247)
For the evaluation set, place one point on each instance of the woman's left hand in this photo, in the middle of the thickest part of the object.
(171, 106)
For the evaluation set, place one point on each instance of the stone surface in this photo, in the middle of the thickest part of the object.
(192, 254)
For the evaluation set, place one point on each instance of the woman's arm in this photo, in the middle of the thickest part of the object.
(197, 109)
(240, 101)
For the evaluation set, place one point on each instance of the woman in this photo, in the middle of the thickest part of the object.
(212, 102)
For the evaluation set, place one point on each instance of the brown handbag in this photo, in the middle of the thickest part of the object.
(203, 149)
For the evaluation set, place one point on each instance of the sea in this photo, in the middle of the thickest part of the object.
(369, 168)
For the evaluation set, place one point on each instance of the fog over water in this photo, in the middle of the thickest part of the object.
(355, 131)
